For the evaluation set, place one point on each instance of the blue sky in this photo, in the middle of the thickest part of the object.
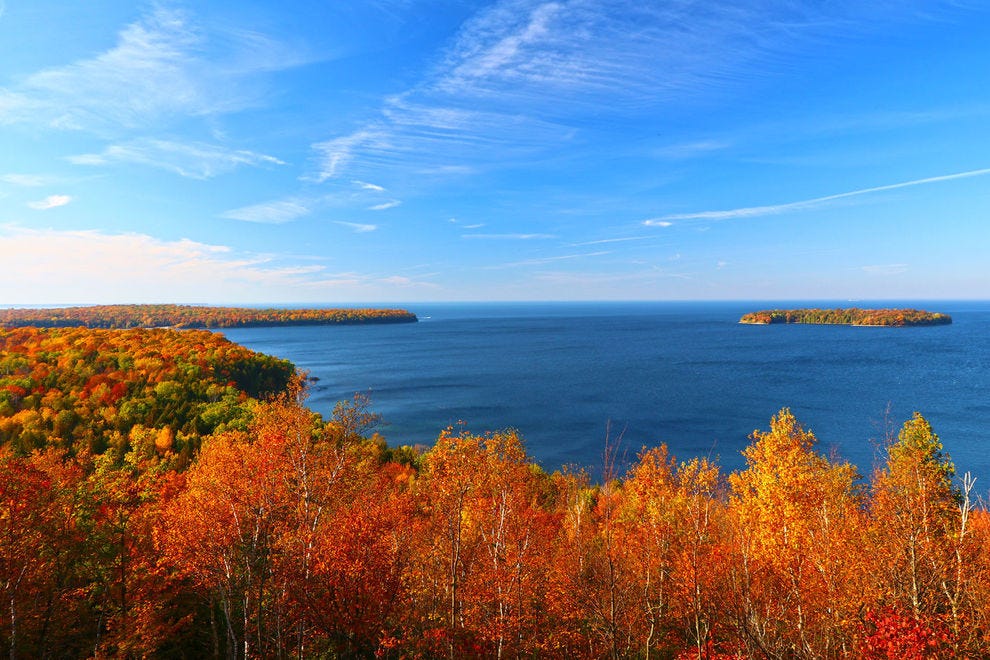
(398, 150)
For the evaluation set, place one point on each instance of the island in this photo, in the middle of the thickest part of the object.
(850, 316)
(194, 316)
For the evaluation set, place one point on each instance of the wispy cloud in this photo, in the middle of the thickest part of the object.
(24, 180)
(162, 66)
(50, 202)
(51, 266)
(803, 205)
(195, 160)
(475, 225)
(549, 260)
(275, 212)
(691, 149)
(334, 154)
(575, 53)
(602, 241)
(657, 222)
(509, 237)
(70, 266)
(544, 69)
(885, 269)
(358, 227)
(436, 137)
(385, 206)
(363, 185)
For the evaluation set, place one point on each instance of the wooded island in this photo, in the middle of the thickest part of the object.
(194, 316)
(849, 316)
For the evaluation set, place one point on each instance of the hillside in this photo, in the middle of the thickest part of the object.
(194, 316)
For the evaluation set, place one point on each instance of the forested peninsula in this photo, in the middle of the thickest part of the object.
(849, 316)
(194, 316)
(167, 493)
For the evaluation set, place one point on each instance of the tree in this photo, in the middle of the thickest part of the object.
(921, 527)
(796, 515)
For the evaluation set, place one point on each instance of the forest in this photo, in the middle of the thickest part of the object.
(850, 316)
(194, 316)
(168, 494)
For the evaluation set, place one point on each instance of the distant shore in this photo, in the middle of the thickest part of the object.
(895, 318)
(194, 316)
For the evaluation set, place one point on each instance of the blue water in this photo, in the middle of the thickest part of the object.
(568, 375)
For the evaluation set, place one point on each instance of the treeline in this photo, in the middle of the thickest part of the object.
(81, 389)
(193, 316)
(301, 537)
(850, 316)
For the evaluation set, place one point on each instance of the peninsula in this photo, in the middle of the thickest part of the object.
(849, 316)
(194, 316)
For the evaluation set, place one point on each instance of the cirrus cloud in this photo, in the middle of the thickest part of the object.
(50, 202)
(276, 212)
(194, 160)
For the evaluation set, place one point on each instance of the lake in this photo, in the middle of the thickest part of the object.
(569, 375)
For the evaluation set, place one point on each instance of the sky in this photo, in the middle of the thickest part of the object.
(305, 151)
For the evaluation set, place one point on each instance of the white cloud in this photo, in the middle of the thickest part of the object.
(24, 180)
(803, 205)
(691, 149)
(363, 185)
(448, 170)
(657, 222)
(70, 267)
(885, 269)
(398, 280)
(611, 240)
(276, 212)
(50, 202)
(477, 225)
(359, 228)
(549, 260)
(162, 66)
(577, 53)
(385, 206)
(509, 237)
(540, 69)
(334, 154)
(195, 160)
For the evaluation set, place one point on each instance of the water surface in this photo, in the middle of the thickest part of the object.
(567, 375)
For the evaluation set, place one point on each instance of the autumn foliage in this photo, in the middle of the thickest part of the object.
(194, 316)
(289, 534)
(849, 316)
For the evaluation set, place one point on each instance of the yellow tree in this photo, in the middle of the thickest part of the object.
(221, 532)
(483, 567)
(921, 525)
(647, 530)
(700, 562)
(671, 528)
(796, 515)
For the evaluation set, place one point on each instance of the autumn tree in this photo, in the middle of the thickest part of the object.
(44, 556)
(344, 547)
(221, 532)
(796, 516)
(481, 573)
(921, 526)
